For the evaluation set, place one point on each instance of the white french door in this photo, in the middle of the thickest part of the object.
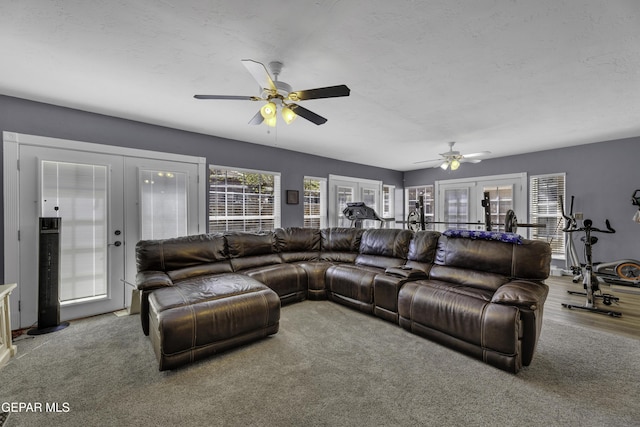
(343, 190)
(460, 201)
(109, 198)
(161, 201)
(85, 190)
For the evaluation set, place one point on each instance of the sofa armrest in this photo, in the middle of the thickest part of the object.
(522, 293)
(150, 280)
(406, 272)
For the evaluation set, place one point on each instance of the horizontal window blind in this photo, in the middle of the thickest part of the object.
(545, 192)
(315, 199)
(241, 200)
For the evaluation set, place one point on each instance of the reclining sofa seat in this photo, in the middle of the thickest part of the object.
(257, 256)
(352, 284)
(480, 297)
(483, 298)
(167, 262)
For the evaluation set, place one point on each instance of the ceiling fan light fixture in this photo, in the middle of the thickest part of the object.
(288, 115)
(455, 164)
(268, 111)
(271, 122)
(445, 165)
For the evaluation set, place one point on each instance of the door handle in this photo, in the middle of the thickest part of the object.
(116, 243)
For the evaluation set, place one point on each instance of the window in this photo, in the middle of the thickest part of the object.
(460, 201)
(243, 200)
(315, 199)
(412, 195)
(500, 202)
(388, 193)
(163, 204)
(545, 192)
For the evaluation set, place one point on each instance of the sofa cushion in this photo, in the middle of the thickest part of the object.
(341, 239)
(289, 281)
(530, 260)
(490, 256)
(179, 252)
(296, 239)
(378, 261)
(423, 246)
(352, 281)
(462, 312)
(200, 270)
(248, 262)
(393, 243)
(248, 244)
(210, 314)
(468, 277)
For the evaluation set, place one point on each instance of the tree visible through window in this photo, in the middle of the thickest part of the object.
(315, 211)
(241, 200)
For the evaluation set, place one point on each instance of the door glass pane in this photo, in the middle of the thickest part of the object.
(369, 197)
(163, 204)
(345, 195)
(78, 194)
(456, 208)
(501, 200)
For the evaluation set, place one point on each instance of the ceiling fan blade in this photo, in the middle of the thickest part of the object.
(306, 114)
(465, 160)
(257, 119)
(480, 153)
(259, 73)
(428, 161)
(321, 92)
(232, 97)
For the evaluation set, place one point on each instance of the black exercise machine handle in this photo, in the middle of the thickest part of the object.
(588, 226)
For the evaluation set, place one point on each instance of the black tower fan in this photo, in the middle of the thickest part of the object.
(48, 277)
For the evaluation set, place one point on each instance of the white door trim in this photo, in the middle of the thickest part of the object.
(11, 191)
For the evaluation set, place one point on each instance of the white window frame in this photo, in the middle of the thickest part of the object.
(553, 232)
(323, 202)
(475, 184)
(410, 204)
(277, 195)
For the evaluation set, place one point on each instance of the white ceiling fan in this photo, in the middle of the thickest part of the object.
(452, 159)
(277, 94)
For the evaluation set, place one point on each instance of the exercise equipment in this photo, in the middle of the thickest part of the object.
(417, 221)
(571, 260)
(635, 198)
(356, 212)
(590, 281)
(622, 272)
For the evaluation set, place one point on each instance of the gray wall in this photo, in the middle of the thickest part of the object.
(601, 176)
(23, 116)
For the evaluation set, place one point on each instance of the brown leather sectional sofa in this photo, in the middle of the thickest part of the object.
(206, 293)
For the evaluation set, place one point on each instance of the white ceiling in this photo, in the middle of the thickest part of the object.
(508, 76)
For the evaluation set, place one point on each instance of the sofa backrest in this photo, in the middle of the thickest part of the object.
(384, 247)
(179, 252)
(184, 256)
(249, 250)
(340, 244)
(422, 250)
(298, 244)
(529, 260)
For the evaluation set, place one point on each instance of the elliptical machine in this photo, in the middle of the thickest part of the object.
(590, 281)
(572, 262)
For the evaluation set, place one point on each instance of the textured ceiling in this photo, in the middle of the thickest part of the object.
(507, 76)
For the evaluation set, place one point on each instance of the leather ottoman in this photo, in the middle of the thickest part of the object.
(209, 314)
